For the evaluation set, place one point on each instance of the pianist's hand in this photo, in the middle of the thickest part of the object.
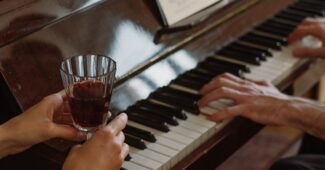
(34, 126)
(105, 150)
(259, 101)
(313, 27)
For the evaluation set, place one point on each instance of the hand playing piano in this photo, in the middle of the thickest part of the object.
(36, 125)
(309, 27)
(259, 101)
(105, 150)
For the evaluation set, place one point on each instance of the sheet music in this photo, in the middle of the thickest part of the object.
(176, 10)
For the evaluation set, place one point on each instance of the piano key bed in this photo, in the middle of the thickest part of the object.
(167, 126)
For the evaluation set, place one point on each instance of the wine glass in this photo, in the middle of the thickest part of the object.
(88, 81)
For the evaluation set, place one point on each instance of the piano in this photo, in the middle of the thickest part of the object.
(157, 83)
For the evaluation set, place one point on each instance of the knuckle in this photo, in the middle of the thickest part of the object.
(224, 89)
(106, 133)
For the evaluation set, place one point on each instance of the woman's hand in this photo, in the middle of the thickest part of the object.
(105, 150)
(36, 125)
(259, 101)
(313, 27)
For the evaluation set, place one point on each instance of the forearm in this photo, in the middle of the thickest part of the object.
(5, 144)
(306, 115)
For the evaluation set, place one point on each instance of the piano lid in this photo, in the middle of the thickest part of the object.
(112, 28)
(22, 17)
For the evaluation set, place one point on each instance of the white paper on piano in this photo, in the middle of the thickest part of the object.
(174, 11)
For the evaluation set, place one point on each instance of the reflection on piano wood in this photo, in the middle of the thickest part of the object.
(166, 129)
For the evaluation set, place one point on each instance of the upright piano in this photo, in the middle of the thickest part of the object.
(157, 81)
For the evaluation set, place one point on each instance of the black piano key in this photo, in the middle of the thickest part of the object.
(313, 3)
(290, 17)
(177, 112)
(235, 56)
(188, 75)
(278, 32)
(128, 157)
(300, 13)
(213, 69)
(247, 52)
(213, 64)
(261, 41)
(135, 142)
(278, 26)
(282, 41)
(226, 64)
(150, 122)
(311, 7)
(143, 134)
(317, 13)
(266, 51)
(203, 73)
(177, 102)
(170, 119)
(295, 13)
(285, 22)
(191, 84)
(169, 90)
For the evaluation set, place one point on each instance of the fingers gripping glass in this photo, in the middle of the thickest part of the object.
(88, 81)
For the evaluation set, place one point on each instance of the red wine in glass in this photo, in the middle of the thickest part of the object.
(89, 104)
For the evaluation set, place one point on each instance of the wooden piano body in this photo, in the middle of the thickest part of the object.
(35, 37)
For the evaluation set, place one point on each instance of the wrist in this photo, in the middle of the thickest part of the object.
(303, 114)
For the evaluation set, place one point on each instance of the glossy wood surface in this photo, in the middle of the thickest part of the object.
(123, 30)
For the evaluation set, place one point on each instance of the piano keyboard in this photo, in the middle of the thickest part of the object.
(167, 126)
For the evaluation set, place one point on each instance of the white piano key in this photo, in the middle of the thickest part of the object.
(192, 126)
(150, 155)
(171, 140)
(132, 166)
(200, 120)
(145, 162)
(185, 132)
(161, 149)
(170, 143)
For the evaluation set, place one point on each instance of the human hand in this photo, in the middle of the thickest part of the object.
(36, 125)
(259, 101)
(105, 150)
(313, 27)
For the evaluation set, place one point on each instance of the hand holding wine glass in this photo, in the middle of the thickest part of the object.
(36, 125)
(105, 150)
